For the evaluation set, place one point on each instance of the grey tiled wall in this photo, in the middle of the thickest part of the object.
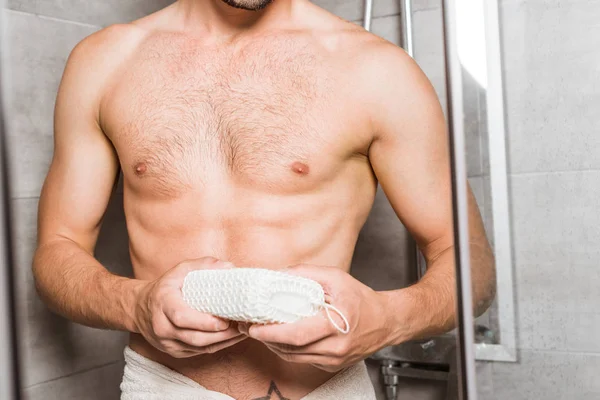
(552, 98)
(552, 66)
(61, 360)
(552, 95)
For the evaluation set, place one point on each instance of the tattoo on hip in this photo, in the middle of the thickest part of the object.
(272, 394)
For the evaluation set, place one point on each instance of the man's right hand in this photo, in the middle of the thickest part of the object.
(170, 325)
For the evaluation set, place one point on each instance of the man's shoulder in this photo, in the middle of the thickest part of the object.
(361, 51)
(96, 60)
(369, 63)
(387, 79)
(113, 41)
(379, 57)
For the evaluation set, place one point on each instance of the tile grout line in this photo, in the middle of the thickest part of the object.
(562, 352)
(83, 371)
(567, 171)
(396, 14)
(55, 19)
(16, 198)
(354, 21)
(426, 9)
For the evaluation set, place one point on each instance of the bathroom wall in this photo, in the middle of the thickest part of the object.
(61, 360)
(552, 66)
(65, 360)
(552, 94)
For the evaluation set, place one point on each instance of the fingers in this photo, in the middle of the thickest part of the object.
(179, 349)
(301, 333)
(203, 339)
(183, 316)
(333, 348)
(330, 278)
(187, 343)
(243, 327)
(322, 362)
(224, 344)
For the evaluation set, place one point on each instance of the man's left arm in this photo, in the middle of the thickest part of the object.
(410, 157)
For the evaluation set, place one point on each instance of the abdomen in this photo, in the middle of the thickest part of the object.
(246, 227)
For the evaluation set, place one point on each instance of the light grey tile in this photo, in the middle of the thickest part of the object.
(38, 49)
(540, 328)
(52, 346)
(384, 257)
(483, 131)
(429, 49)
(485, 381)
(582, 332)
(388, 28)
(476, 183)
(551, 84)
(425, 4)
(429, 54)
(353, 10)
(556, 235)
(548, 375)
(472, 131)
(97, 384)
(100, 13)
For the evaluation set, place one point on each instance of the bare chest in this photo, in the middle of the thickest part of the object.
(185, 118)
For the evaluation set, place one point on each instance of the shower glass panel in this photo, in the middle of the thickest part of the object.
(528, 71)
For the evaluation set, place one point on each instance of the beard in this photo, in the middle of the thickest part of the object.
(250, 5)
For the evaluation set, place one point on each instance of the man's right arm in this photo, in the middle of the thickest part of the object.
(74, 197)
(73, 201)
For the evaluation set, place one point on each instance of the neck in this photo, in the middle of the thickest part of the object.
(215, 17)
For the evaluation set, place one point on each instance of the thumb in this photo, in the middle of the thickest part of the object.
(181, 270)
(324, 275)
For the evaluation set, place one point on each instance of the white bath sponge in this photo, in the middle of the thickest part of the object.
(256, 295)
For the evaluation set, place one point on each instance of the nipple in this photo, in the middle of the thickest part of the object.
(140, 168)
(300, 168)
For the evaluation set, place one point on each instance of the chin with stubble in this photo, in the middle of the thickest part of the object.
(250, 5)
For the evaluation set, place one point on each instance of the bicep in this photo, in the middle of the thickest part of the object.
(84, 166)
(410, 157)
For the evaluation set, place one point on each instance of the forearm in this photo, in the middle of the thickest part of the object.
(75, 285)
(428, 308)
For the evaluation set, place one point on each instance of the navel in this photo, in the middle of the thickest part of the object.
(300, 168)
(140, 168)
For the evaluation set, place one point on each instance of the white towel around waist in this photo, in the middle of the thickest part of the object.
(144, 379)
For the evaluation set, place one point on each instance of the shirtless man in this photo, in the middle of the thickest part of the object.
(248, 134)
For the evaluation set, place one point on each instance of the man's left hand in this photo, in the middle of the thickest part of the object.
(315, 340)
